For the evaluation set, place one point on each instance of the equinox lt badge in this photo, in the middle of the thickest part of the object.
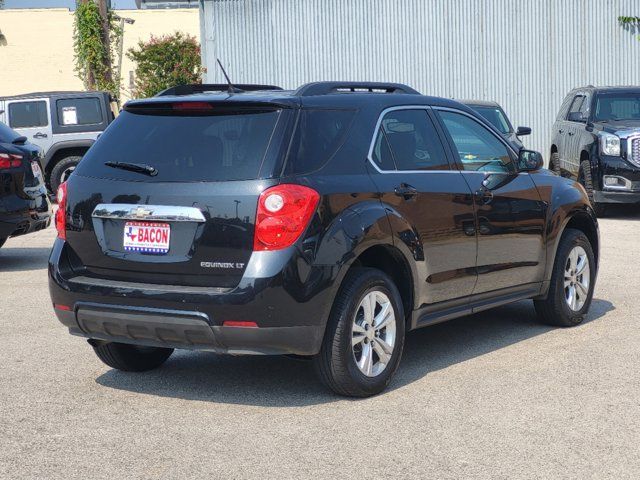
(221, 265)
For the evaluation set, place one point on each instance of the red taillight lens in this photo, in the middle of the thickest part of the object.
(61, 215)
(9, 160)
(239, 324)
(283, 214)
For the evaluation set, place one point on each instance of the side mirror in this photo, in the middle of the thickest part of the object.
(577, 117)
(523, 131)
(529, 160)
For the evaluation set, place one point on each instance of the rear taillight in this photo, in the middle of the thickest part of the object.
(61, 216)
(283, 214)
(9, 160)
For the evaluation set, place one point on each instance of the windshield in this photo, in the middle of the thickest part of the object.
(7, 135)
(617, 106)
(495, 116)
(200, 148)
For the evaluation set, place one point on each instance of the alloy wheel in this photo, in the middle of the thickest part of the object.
(373, 333)
(577, 278)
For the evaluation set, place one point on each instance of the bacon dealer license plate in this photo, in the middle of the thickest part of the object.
(146, 237)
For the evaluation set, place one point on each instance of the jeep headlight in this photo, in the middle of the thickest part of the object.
(610, 144)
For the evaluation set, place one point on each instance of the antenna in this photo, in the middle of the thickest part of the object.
(232, 89)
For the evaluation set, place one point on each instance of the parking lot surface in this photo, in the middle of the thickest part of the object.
(494, 395)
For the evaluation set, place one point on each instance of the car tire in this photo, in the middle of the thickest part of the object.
(62, 170)
(131, 358)
(554, 164)
(557, 309)
(585, 179)
(357, 368)
(2, 240)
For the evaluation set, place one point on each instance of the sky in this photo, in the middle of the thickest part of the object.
(126, 4)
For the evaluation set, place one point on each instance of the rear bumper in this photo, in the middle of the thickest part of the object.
(21, 216)
(290, 315)
(183, 329)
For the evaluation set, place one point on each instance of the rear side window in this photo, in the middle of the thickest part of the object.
(28, 114)
(413, 142)
(79, 111)
(226, 146)
(318, 136)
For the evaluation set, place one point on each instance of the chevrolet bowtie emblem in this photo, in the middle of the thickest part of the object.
(140, 212)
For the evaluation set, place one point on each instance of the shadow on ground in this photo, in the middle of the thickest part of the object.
(286, 382)
(623, 212)
(13, 259)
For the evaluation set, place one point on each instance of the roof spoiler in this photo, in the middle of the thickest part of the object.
(327, 88)
(210, 87)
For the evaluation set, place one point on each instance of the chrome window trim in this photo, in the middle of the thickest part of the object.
(149, 213)
(375, 134)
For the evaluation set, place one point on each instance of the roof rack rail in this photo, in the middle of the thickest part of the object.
(211, 87)
(327, 88)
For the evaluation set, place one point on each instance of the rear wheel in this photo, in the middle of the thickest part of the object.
(62, 170)
(365, 335)
(572, 282)
(554, 164)
(585, 179)
(131, 358)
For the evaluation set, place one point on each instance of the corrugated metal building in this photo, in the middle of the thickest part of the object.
(525, 54)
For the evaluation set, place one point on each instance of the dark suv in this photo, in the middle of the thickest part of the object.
(324, 222)
(596, 140)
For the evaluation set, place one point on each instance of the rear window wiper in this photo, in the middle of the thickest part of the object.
(134, 167)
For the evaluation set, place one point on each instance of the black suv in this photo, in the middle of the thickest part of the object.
(24, 204)
(324, 222)
(596, 140)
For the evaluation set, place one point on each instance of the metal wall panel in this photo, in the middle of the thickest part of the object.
(524, 54)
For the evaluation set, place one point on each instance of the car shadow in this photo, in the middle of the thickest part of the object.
(623, 212)
(278, 381)
(15, 259)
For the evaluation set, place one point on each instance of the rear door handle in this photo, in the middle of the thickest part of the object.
(40, 135)
(405, 191)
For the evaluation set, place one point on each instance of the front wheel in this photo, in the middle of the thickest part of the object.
(365, 335)
(585, 179)
(131, 358)
(572, 282)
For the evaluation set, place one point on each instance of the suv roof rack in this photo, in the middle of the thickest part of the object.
(327, 88)
(212, 87)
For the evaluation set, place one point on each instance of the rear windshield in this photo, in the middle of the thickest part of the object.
(7, 135)
(205, 148)
(495, 117)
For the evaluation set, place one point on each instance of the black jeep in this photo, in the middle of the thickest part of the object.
(325, 222)
(596, 140)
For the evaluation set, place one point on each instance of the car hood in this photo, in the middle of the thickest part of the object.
(619, 126)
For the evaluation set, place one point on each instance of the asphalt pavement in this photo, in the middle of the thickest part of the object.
(494, 395)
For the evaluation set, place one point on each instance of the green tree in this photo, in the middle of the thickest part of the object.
(164, 62)
(95, 32)
(630, 23)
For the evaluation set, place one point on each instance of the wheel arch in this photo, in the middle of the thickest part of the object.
(61, 150)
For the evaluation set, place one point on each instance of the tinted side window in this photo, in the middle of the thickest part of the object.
(79, 111)
(381, 153)
(576, 104)
(28, 114)
(413, 140)
(317, 138)
(478, 149)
